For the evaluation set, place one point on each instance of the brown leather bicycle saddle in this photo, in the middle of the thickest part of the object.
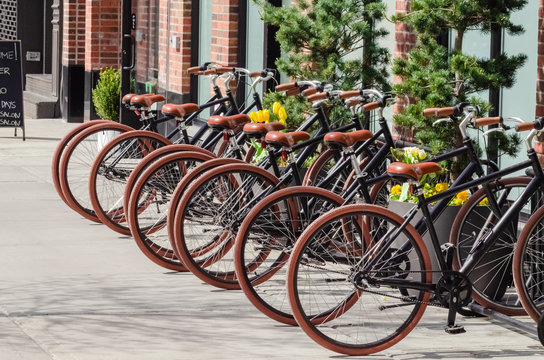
(259, 130)
(412, 171)
(146, 100)
(346, 139)
(179, 111)
(126, 99)
(286, 139)
(228, 122)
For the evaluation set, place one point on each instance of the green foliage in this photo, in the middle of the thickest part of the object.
(296, 107)
(433, 78)
(107, 93)
(318, 38)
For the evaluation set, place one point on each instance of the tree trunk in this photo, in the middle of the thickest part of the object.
(458, 46)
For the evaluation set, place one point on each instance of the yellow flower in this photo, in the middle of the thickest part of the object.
(458, 201)
(484, 202)
(422, 155)
(266, 116)
(463, 195)
(441, 187)
(276, 108)
(396, 189)
(260, 116)
(282, 115)
(253, 117)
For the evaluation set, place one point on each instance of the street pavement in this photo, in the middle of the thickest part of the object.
(72, 289)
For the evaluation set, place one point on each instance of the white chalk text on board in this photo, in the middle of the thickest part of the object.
(11, 84)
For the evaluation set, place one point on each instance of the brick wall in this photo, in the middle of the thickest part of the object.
(225, 32)
(102, 34)
(405, 40)
(73, 33)
(539, 111)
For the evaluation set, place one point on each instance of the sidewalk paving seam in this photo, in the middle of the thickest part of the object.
(21, 327)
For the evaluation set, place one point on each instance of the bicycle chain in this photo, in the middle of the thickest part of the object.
(402, 298)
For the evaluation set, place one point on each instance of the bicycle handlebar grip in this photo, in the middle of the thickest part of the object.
(539, 123)
(353, 102)
(309, 91)
(525, 126)
(371, 106)
(349, 94)
(318, 96)
(447, 111)
(210, 72)
(255, 74)
(283, 87)
(193, 70)
(293, 91)
(487, 121)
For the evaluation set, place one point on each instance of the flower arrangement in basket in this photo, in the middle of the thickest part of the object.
(431, 182)
(264, 116)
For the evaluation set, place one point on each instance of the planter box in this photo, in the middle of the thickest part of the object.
(483, 277)
(442, 226)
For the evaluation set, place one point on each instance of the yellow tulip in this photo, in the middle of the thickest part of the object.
(260, 116)
(282, 114)
(253, 116)
(266, 116)
(276, 107)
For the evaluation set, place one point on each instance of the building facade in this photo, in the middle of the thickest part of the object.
(154, 41)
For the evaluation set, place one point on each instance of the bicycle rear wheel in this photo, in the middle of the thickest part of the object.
(491, 279)
(111, 169)
(265, 240)
(148, 206)
(349, 301)
(76, 163)
(209, 214)
(528, 266)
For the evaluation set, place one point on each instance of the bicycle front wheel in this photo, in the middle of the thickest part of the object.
(528, 266)
(111, 169)
(147, 211)
(76, 163)
(208, 216)
(265, 239)
(351, 301)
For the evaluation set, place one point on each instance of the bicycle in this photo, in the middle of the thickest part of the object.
(269, 231)
(389, 276)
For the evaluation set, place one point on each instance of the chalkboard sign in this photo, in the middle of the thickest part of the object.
(11, 85)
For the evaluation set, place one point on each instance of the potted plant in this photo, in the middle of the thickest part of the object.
(433, 77)
(106, 100)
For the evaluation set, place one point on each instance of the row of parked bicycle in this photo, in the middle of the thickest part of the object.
(314, 246)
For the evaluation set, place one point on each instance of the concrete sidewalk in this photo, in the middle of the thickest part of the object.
(71, 289)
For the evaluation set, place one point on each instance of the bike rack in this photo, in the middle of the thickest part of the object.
(536, 330)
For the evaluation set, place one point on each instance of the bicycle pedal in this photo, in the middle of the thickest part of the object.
(455, 329)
